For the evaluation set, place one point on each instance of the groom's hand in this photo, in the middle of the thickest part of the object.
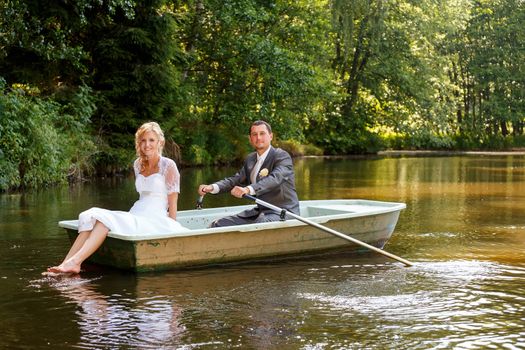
(203, 189)
(238, 191)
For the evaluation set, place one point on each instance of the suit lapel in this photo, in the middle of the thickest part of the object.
(250, 162)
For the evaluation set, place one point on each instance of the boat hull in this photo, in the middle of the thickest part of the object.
(248, 242)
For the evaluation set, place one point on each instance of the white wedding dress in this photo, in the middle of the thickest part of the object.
(149, 215)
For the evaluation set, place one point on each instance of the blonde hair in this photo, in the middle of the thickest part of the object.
(144, 128)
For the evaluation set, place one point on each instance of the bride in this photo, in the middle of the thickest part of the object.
(157, 180)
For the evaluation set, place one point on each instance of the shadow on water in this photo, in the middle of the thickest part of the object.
(463, 226)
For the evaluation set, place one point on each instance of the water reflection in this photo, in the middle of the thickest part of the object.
(126, 320)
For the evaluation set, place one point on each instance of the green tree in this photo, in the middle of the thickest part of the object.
(133, 68)
(487, 70)
(347, 76)
(382, 61)
(497, 34)
(252, 60)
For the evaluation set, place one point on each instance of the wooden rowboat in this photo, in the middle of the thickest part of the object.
(372, 222)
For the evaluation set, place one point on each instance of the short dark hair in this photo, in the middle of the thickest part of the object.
(261, 122)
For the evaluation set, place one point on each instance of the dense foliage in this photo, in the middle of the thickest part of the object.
(78, 78)
(42, 141)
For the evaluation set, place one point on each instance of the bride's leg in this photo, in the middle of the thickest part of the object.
(79, 242)
(93, 241)
(75, 247)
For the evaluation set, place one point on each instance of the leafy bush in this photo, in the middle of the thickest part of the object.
(41, 143)
(295, 148)
(518, 141)
(490, 142)
(420, 139)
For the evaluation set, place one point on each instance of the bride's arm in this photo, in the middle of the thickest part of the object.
(172, 177)
(172, 205)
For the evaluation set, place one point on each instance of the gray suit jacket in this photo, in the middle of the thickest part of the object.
(277, 188)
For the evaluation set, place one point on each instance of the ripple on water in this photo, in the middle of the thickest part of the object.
(452, 303)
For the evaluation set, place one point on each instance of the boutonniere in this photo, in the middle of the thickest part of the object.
(263, 172)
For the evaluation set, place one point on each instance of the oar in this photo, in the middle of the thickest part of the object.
(327, 229)
(199, 202)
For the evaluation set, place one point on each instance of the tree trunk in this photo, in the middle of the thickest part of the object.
(358, 65)
(195, 26)
(454, 78)
(504, 129)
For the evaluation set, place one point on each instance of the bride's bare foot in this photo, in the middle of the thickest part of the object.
(66, 267)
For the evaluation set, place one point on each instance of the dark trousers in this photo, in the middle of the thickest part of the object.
(232, 220)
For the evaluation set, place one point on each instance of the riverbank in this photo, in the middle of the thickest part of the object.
(422, 153)
(430, 153)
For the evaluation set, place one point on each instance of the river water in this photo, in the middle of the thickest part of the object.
(464, 228)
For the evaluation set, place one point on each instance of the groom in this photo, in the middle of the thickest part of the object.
(267, 174)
